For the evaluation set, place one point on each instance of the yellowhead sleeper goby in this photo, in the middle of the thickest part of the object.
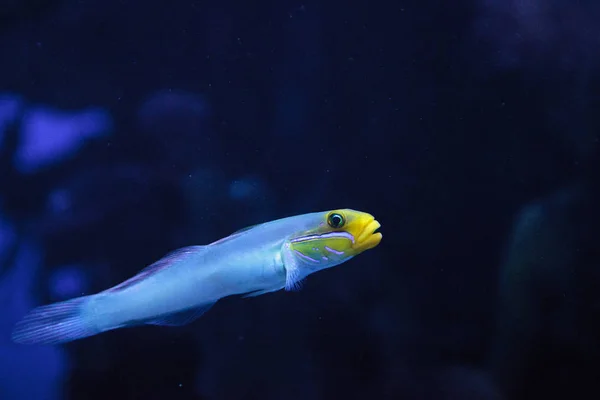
(184, 284)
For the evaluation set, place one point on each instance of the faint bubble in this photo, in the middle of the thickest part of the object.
(10, 106)
(68, 282)
(172, 106)
(204, 185)
(48, 135)
(534, 32)
(178, 122)
(248, 188)
(8, 237)
(59, 201)
(467, 383)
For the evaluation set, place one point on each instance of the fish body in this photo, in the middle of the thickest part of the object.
(184, 284)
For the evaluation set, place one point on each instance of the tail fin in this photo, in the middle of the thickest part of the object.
(56, 323)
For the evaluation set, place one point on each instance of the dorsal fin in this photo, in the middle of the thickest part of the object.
(235, 234)
(165, 262)
(245, 229)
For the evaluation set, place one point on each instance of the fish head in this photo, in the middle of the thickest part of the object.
(337, 236)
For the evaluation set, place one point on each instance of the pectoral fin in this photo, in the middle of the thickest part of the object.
(181, 318)
(293, 276)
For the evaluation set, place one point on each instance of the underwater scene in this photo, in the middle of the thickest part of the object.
(300, 200)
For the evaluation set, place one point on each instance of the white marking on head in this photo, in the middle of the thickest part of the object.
(329, 249)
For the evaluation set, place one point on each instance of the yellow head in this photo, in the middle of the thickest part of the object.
(333, 237)
(343, 231)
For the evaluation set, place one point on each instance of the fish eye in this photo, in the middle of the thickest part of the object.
(335, 220)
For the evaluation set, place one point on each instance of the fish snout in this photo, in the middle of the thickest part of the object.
(368, 237)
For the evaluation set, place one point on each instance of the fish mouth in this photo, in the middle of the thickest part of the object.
(369, 237)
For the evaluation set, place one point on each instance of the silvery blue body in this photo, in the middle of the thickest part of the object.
(245, 262)
(251, 261)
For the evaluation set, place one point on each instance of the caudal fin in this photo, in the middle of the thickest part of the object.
(56, 323)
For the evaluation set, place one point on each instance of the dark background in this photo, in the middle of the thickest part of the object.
(154, 125)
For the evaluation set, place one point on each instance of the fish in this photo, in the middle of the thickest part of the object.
(184, 284)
